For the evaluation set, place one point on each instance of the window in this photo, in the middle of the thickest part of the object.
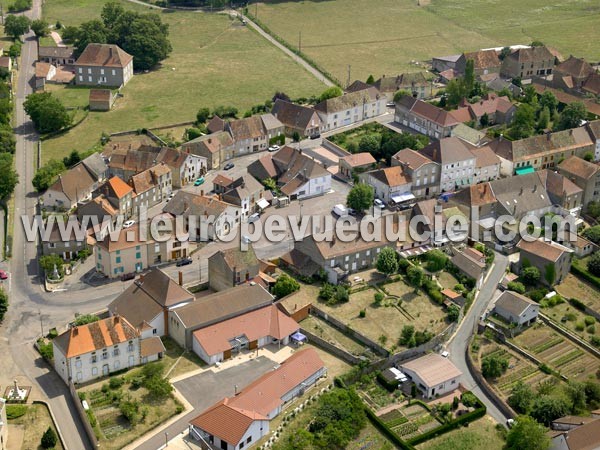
(116, 351)
(94, 371)
(78, 362)
(94, 358)
(118, 261)
(118, 252)
(101, 71)
(80, 77)
(89, 71)
(114, 72)
(90, 78)
(130, 346)
(138, 255)
(117, 364)
(104, 354)
(80, 71)
(154, 331)
(333, 263)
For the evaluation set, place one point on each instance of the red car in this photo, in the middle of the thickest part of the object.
(3, 275)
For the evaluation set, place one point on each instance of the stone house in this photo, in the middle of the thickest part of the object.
(553, 260)
(487, 164)
(151, 187)
(57, 56)
(212, 146)
(68, 248)
(119, 194)
(391, 184)
(456, 162)
(584, 174)
(424, 117)
(103, 65)
(185, 167)
(228, 268)
(101, 99)
(246, 193)
(433, 374)
(415, 83)
(297, 118)
(355, 163)
(485, 62)
(574, 75)
(525, 63)
(423, 171)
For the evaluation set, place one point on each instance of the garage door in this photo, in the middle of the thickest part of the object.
(227, 354)
(253, 345)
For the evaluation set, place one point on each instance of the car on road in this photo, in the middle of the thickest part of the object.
(390, 104)
(253, 218)
(129, 224)
(229, 166)
(3, 275)
(273, 148)
(199, 181)
(379, 203)
(315, 136)
(184, 262)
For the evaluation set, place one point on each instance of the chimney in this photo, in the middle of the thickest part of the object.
(116, 319)
(180, 278)
(571, 132)
(74, 331)
(548, 135)
(209, 140)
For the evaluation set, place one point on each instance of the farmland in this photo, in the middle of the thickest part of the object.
(387, 319)
(558, 352)
(215, 61)
(389, 36)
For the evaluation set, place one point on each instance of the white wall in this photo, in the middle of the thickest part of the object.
(440, 389)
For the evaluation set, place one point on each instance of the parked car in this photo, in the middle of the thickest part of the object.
(3, 275)
(379, 203)
(315, 136)
(129, 224)
(445, 354)
(199, 181)
(229, 166)
(273, 148)
(171, 195)
(253, 218)
(340, 210)
(128, 276)
(184, 262)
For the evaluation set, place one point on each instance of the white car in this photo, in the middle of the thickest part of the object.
(253, 218)
(379, 203)
(445, 354)
(129, 224)
(340, 210)
(273, 148)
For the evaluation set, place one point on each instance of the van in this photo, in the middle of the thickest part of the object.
(340, 210)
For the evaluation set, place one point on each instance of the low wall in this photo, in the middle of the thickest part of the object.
(339, 151)
(89, 431)
(421, 349)
(570, 335)
(330, 348)
(349, 331)
(489, 392)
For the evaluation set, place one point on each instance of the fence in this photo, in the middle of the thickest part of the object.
(349, 331)
(89, 431)
(319, 342)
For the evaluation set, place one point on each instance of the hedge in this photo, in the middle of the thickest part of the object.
(389, 385)
(577, 304)
(595, 281)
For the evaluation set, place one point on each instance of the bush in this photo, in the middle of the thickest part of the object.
(579, 326)
(591, 329)
(46, 350)
(379, 296)
(362, 314)
(516, 286)
(284, 286)
(390, 385)
(595, 341)
(577, 304)
(326, 292)
(589, 320)
(131, 410)
(468, 399)
(116, 382)
(84, 319)
(49, 438)
(493, 366)
(15, 411)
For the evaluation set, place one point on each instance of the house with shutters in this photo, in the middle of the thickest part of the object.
(103, 65)
(456, 162)
(297, 118)
(424, 172)
(86, 352)
(424, 117)
(525, 63)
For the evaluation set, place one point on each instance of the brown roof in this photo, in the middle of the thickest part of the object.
(514, 303)
(359, 159)
(411, 158)
(433, 369)
(262, 168)
(122, 239)
(402, 81)
(215, 124)
(391, 176)
(105, 55)
(557, 184)
(151, 346)
(257, 324)
(83, 339)
(448, 150)
(473, 253)
(451, 294)
(188, 203)
(100, 95)
(247, 128)
(172, 157)
(222, 180)
(485, 156)
(483, 59)
(550, 251)
(119, 187)
(235, 257)
(472, 267)
(42, 69)
(490, 104)
(74, 182)
(576, 67)
(530, 54)
(213, 143)
(223, 305)
(475, 195)
(428, 111)
(55, 52)
(584, 437)
(574, 420)
(348, 100)
(294, 116)
(146, 180)
(592, 85)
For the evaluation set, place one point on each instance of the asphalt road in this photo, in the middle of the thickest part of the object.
(459, 342)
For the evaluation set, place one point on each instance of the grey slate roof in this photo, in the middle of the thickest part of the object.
(514, 302)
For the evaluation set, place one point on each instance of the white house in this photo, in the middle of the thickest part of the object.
(3, 425)
(391, 184)
(433, 374)
(240, 421)
(516, 308)
(457, 162)
(87, 352)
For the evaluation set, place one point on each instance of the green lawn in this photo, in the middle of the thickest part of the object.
(215, 61)
(386, 36)
(479, 435)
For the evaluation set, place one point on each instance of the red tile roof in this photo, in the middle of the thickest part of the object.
(105, 55)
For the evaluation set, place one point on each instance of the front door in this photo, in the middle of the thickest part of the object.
(253, 345)
(227, 354)
(105, 369)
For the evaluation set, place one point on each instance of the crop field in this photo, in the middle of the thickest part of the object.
(559, 353)
(388, 318)
(391, 36)
(215, 61)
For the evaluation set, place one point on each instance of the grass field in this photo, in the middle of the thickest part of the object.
(574, 287)
(215, 61)
(479, 435)
(35, 422)
(387, 36)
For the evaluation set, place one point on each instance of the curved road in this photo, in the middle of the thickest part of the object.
(458, 344)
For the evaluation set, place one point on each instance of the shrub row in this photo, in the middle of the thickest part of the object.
(581, 272)
(389, 385)
(577, 304)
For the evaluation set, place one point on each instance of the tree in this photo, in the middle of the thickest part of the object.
(46, 174)
(516, 286)
(436, 260)
(543, 119)
(537, 44)
(16, 26)
(73, 158)
(493, 366)
(270, 184)
(370, 79)
(593, 208)
(370, 143)
(415, 276)
(530, 275)
(7, 140)
(592, 234)
(285, 285)
(387, 261)
(3, 304)
(576, 392)
(89, 32)
(131, 410)
(524, 122)
(84, 319)
(521, 397)
(407, 335)
(593, 264)
(360, 197)
(49, 438)
(526, 433)
(504, 53)
(20, 5)
(548, 100)
(9, 178)
(111, 13)
(401, 93)
(202, 115)
(546, 409)
(70, 34)
(47, 112)
(40, 28)
(572, 116)
(158, 387)
(296, 136)
(485, 120)
(456, 90)
(298, 440)
(469, 77)
(592, 393)
(49, 262)
(550, 274)
(331, 92)
(453, 313)
(281, 96)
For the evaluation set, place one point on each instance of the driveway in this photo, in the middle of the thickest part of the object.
(205, 389)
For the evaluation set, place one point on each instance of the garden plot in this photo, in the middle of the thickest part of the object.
(574, 287)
